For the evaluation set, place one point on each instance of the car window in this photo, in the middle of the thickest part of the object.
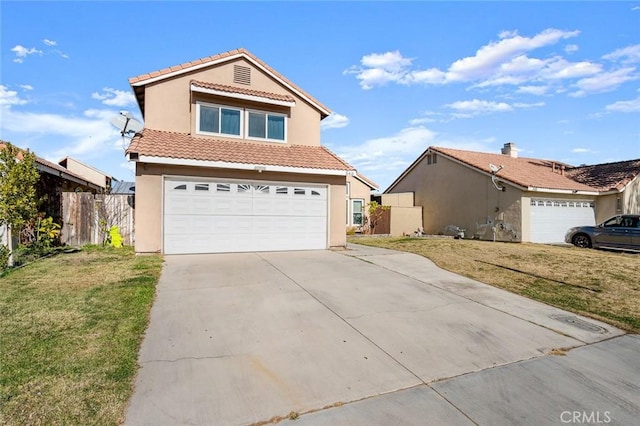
(628, 222)
(613, 222)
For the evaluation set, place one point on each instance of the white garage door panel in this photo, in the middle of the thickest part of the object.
(212, 217)
(550, 219)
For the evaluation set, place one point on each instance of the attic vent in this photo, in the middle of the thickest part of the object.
(241, 75)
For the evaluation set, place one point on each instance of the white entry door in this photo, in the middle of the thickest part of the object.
(216, 216)
(550, 219)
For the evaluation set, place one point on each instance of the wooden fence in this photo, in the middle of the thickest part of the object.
(86, 217)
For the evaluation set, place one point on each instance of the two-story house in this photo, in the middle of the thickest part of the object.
(230, 160)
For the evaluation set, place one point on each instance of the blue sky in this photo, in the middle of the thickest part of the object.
(561, 80)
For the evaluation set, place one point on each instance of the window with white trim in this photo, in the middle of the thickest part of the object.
(265, 125)
(218, 120)
(357, 212)
(222, 120)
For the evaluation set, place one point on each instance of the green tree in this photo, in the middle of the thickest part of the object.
(18, 178)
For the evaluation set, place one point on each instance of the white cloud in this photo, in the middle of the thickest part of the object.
(571, 48)
(632, 105)
(562, 121)
(89, 135)
(582, 150)
(526, 105)
(62, 54)
(26, 87)
(635, 8)
(390, 61)
(533, 90)
(497, 63)
(9, 97)
(334, 121)
(604, 82)
(490, 57)
(389, 152)
(114, 97)
(559, 68)
(383, 159)
(477, 106)
(628, 55)
(22, 52)
(423, 120)
(379, 69)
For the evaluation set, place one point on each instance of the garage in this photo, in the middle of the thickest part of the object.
(217, 216)
(550, 219)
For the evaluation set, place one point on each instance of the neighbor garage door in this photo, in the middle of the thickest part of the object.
(214, 216)
(550, 219)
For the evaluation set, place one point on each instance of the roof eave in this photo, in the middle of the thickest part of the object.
(370, 184)
(64, 175)
(563, 191)
(253, 98)
(235, 166)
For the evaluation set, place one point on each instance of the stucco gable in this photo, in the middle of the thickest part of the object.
(239, 56)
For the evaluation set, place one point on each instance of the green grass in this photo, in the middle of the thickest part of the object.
(599, 284)
(70, 329)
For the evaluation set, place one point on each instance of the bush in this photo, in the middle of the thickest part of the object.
(4, 258)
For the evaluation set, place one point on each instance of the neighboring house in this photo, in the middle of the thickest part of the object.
(230, 160)
(54, 180)
(358, 198)
(506, 197)
(90, 173)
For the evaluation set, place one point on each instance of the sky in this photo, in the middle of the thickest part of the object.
(561, 80)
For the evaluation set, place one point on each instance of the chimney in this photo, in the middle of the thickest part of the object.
(510, 150)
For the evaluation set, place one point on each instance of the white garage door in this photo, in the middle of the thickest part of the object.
(550, 219)
(215, 216)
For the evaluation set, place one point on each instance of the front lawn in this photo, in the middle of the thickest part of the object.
(70, 329)
(599, 284)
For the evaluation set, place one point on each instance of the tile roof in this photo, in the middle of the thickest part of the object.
(185, 67)
(522, 171)
(243, 91)
(157, 143)
(607, 176)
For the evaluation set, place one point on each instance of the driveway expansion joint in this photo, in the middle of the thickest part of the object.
(187, 358)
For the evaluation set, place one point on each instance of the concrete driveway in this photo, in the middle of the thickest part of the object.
(369, 336)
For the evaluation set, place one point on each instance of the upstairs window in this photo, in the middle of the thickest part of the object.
(264, 125)
(219, 120)
(223, 120)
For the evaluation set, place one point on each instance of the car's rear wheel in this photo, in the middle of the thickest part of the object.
(581, 240)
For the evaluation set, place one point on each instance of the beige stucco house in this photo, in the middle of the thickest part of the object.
(90, 173)
(230, 160)
(511, 198)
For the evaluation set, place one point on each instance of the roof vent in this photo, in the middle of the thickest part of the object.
(510, 150)
(241, 74)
